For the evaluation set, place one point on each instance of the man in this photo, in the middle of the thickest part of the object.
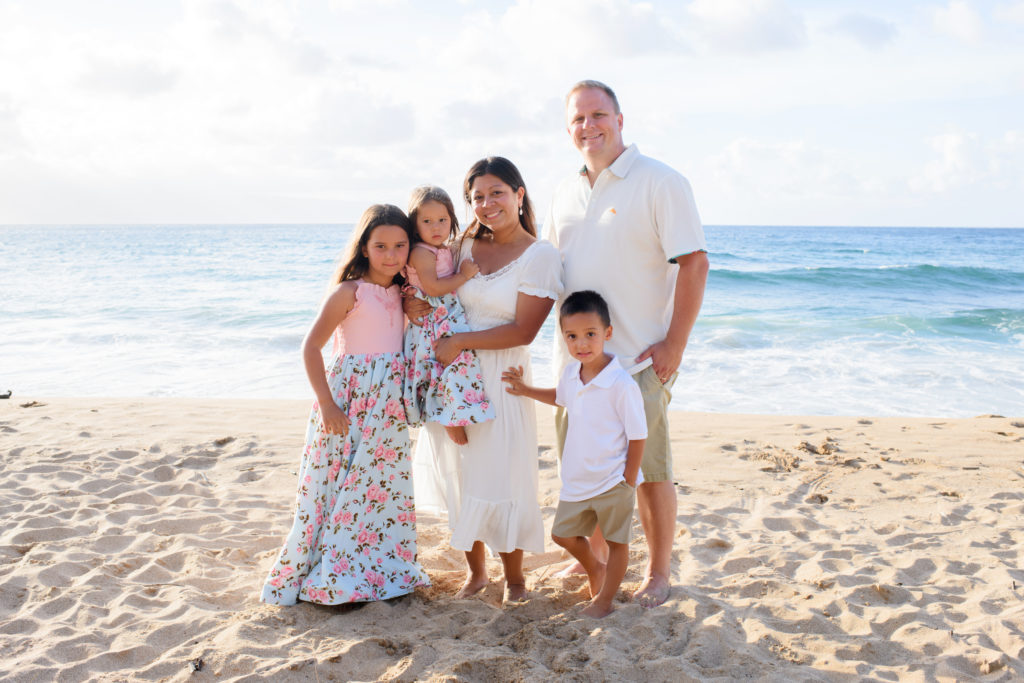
(627, 227)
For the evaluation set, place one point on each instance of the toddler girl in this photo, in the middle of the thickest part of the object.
(354, 534)
(451, 396)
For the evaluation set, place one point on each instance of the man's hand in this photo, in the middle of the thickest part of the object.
(666, 358)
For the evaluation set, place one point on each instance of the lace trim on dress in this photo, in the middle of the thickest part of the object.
(508, 266)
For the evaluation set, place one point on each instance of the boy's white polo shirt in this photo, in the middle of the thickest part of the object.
(604, 416)
(620, 238)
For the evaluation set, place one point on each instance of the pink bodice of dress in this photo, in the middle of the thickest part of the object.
(445, 264)
(376, 324)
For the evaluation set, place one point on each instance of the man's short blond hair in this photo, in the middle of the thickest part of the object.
(597, 85)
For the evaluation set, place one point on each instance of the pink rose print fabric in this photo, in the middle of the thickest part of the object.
(354, 534)
(452, 396)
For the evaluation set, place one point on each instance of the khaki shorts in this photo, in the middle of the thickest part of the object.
(613, 510)
(657, 462)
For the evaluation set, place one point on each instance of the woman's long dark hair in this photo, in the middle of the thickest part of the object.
(506, 171)
(354, 264)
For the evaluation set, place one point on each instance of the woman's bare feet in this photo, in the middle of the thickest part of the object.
(653, 592)
(457, 434)
(472, 586)
(516, 592)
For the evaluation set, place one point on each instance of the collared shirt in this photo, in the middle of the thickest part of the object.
(620, 239)
(604, 415)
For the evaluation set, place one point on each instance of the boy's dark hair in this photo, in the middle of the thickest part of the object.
(585, 301)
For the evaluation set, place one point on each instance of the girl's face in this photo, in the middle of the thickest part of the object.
(433, 223)
(387, 250)
(495, 203)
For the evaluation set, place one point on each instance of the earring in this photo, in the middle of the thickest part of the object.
(520, 210)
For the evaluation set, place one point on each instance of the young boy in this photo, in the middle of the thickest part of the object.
(603, 446)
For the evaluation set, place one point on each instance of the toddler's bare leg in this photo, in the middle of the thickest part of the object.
(457, 434)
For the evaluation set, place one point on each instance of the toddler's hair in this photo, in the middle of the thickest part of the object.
(354, 264)
(431, 193)
(585, 301)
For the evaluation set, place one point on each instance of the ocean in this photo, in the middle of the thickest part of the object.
(796, 320)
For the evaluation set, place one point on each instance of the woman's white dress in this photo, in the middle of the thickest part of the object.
(488, 487)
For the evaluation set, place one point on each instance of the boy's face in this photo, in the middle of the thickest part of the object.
(585, 335)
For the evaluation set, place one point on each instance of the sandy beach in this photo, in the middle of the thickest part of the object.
(137, 533)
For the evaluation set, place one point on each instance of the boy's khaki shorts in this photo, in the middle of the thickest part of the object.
(657, 462)
(613, 510)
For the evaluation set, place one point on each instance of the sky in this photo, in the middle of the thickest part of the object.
(780, 112)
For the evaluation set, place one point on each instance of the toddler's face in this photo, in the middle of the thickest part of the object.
(433, 223)
(585, 335)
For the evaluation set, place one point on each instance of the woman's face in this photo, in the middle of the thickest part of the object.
(495, 203)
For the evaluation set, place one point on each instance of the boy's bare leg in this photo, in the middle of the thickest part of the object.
(476, 576)
(656, 506)
(615, 570)
(515, 579)
(457, 434)
(598, 546)
(579, 547)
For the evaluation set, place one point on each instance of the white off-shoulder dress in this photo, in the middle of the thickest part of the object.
(488, 488)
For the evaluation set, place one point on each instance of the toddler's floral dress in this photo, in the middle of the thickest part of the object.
(452, 396)
(353, 538)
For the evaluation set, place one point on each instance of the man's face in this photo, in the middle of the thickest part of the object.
(594, 126)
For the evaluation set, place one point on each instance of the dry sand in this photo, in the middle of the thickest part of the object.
(136, 535)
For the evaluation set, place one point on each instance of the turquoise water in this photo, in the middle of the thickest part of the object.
(877, 321)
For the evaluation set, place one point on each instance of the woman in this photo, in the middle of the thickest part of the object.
(489, 485)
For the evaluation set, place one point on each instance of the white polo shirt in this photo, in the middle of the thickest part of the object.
(605, 414)
(620, 239)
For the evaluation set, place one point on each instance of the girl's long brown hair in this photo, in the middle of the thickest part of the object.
(354, 264)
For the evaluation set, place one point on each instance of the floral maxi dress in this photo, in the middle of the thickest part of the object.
(353, 538)
(452, 396)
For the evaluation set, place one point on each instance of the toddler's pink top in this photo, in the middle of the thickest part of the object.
(445, 264)
(376, 324)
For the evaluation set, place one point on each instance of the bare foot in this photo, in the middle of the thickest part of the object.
(570, 570)
(597, 580)
(457, 434)
(597, 611)
(516, 592)
(653, 592)
(472, 586)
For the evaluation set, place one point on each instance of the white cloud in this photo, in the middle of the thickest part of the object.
(868, 31)
(1012, 12)
(129, 77)
(959, 20)
(966, 159)
(748, 25)
(575, 28)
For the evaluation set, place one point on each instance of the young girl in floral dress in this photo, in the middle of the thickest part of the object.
(354, 534)
(451, 396)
